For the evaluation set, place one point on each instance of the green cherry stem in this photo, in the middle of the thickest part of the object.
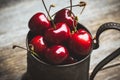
(14, 46)
(75, 29)
(71, 6)
(84, 5)
(81, 4)
(52, 5)
(48, 14)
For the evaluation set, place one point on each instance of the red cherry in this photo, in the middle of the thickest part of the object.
(57, 35)
(70, 60)
(81, 43)
(39, 23)
(56, 54)
(67, 17)
(38, 44)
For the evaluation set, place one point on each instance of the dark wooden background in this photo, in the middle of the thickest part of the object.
(14, 17)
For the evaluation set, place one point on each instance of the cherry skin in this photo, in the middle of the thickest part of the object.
(57, 35)
(70, 60)
(38, 45)
(56, 54)
(39, 23)
(81, 43)
(67, 17)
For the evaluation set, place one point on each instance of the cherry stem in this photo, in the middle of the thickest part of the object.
(75, 29)
(52, 5)
(84, 5)
(48, 14)
(14, 46)
(81, 4)
(82, 10)
(71, 6)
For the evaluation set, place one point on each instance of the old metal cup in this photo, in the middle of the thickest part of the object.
(39, 70)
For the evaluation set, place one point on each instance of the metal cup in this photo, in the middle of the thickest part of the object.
(39, 70)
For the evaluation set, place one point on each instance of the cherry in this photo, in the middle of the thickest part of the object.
(80, 42)
(56, 54)
(70, 60)
(67, 17)
(39, 23)
(38, 45)
(57, 35)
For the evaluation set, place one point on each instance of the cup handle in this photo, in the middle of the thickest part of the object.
(104, 27)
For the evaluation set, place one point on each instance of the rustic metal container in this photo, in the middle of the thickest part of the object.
(39, 70)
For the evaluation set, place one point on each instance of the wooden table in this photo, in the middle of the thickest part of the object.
(14, 17)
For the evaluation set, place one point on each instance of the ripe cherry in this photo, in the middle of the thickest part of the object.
(39, 23)
(56, 54)
(58, 35)
(38, 45)
(67, 17)
(81, 43)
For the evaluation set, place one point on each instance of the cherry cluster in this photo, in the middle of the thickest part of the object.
(58, 41)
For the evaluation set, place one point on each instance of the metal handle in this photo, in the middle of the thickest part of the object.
(104, 27)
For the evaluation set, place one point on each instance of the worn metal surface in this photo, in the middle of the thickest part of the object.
(14, 17)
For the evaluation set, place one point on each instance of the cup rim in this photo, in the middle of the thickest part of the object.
(60, 65)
